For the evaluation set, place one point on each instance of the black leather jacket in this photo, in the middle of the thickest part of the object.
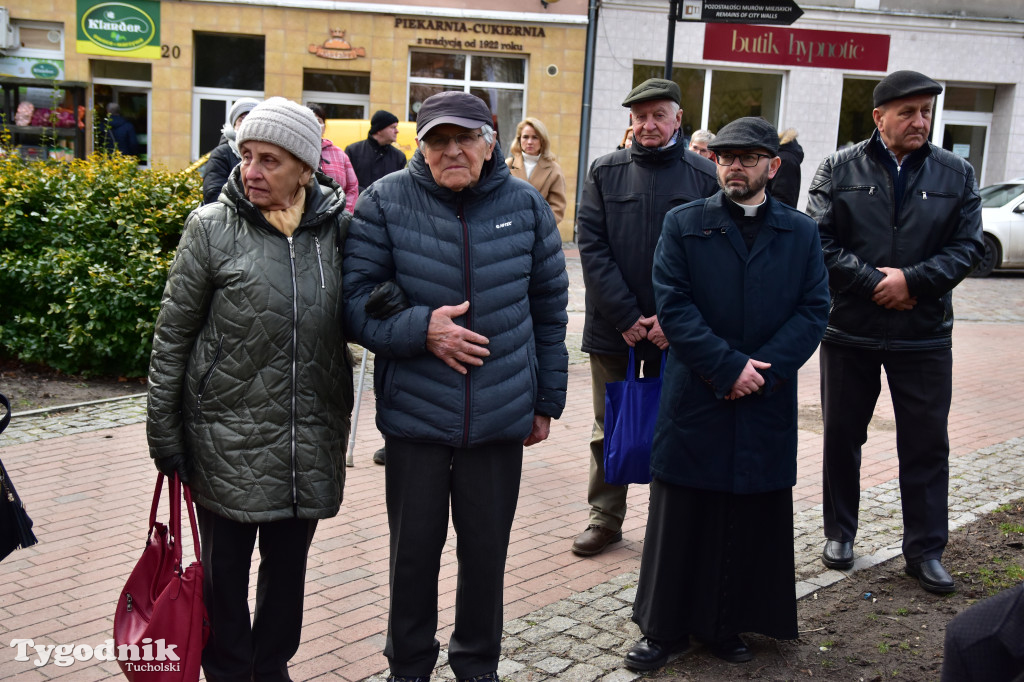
(935, 239)
(625, 199)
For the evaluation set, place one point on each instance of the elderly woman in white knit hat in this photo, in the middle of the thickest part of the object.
(225, 156)
(251, 384)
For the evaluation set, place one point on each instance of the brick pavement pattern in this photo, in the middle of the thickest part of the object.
(87, 481)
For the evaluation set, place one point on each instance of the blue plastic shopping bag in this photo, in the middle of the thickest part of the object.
(630, 412)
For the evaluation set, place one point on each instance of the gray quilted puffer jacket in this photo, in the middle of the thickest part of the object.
(495, 245)
(251, 377)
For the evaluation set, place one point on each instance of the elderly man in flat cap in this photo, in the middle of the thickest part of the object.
(625, 198)
(455, 279)
(742, 297)
(900, 223)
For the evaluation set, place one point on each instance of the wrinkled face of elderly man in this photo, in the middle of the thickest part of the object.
(655, 121)
(904, 123)
(456, 155)
(271, 176)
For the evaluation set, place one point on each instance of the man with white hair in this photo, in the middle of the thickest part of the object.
(455, 279)
(625, 199)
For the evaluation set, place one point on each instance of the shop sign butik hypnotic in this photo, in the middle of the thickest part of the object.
(123, 29)
(796, 47)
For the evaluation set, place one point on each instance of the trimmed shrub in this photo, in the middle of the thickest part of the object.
(84, 250)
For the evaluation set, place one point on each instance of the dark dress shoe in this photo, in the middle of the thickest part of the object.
(407, 678)
(838, 555)
(380, 456)
(932, 576)
(732, 649)
(650, 654)
(594, 539)
(486, 677)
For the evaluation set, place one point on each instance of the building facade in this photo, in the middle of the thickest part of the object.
(176, 67)
(816, 75)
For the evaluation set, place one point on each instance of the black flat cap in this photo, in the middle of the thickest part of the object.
(452, 106)
(653, 88)
(750, 132)
(900, 84)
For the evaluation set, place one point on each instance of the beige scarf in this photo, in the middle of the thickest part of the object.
(287, 219)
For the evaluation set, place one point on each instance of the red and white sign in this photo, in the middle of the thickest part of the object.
(796, 47)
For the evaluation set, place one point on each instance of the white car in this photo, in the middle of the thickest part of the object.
(1002, 218)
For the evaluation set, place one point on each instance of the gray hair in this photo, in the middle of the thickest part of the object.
(702, 135)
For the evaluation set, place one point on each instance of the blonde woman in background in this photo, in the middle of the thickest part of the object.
(533, 161)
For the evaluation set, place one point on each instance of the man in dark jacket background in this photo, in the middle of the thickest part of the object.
(120, 132)
(455, 279)
(900, 223)
(375, 157)
(742, 296)
(625, 198)
(785, 186)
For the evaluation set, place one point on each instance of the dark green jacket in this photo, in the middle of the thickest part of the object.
(250, 377)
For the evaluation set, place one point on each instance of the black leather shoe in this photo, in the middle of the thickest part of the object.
(838, 555)
(732, 649)
(487, 677)
(380, 456)
(650, 654)
(407, 678)
(932, 576)
(594, 539)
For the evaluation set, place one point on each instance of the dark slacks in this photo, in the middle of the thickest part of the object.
(607, 501)
(921, 384)
(482, 485)
(696, 573)
(260, 651)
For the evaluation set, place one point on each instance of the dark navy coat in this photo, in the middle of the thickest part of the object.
(719, 306)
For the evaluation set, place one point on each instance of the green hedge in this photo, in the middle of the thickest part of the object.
(84, 251)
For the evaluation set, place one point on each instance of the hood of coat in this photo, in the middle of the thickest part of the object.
(493, 173)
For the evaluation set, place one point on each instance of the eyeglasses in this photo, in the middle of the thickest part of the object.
(439, 143)
(747, 160)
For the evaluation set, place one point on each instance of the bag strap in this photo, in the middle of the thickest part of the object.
(156, 504)
(7, 415)
(175, 521)
(192, 519)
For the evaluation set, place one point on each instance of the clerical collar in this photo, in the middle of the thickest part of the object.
(750, 211)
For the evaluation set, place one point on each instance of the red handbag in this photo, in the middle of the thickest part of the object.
(160, 627)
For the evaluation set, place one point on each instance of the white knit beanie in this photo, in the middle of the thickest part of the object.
(242, 105)
(288, 125)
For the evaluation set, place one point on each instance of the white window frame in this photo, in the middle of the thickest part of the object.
(466, 82)
(226, 96)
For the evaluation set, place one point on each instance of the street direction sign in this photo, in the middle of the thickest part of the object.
(771, 12)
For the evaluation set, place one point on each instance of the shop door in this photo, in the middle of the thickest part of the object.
(966, 134)
(135, 105)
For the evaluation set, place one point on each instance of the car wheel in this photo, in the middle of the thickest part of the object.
(990, 260)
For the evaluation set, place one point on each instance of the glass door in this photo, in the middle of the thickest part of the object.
(969, 141)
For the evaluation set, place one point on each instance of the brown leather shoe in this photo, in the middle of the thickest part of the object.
(594, 539)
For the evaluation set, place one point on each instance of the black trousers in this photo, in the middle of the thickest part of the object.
(921, 384)
(238, 651)
(482, 484)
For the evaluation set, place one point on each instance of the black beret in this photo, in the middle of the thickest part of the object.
(751, 132)
(653, 88)
(900, 84)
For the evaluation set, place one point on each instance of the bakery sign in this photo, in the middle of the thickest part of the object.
(469, 35)
(336, 47)
(120, 29)
(796, 47)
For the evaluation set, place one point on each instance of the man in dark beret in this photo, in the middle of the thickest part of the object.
(625, 198)
(900, 223)
(742, 298)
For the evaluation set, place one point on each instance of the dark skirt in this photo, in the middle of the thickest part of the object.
(717, 564)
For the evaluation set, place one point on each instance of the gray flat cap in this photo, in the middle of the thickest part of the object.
(750, 132)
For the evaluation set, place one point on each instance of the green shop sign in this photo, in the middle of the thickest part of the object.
(45, 70)
(126, 29)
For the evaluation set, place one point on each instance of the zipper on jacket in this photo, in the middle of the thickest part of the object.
(205, 381)
(467, 271)
(319, 260)
(295, 350)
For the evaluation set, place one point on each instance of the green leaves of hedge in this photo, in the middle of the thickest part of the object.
(84, 252)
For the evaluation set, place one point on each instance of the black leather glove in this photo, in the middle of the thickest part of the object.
(385, 300)
(171, 464)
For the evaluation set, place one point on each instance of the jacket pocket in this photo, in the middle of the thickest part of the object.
(620, 204)
(870, 190)
(204, 383)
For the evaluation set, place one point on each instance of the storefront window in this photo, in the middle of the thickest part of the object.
(229, 62)
(130, 85)
(961, 98)
(342, 95)
(498, 81)
(855, 120)
(731, 94)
